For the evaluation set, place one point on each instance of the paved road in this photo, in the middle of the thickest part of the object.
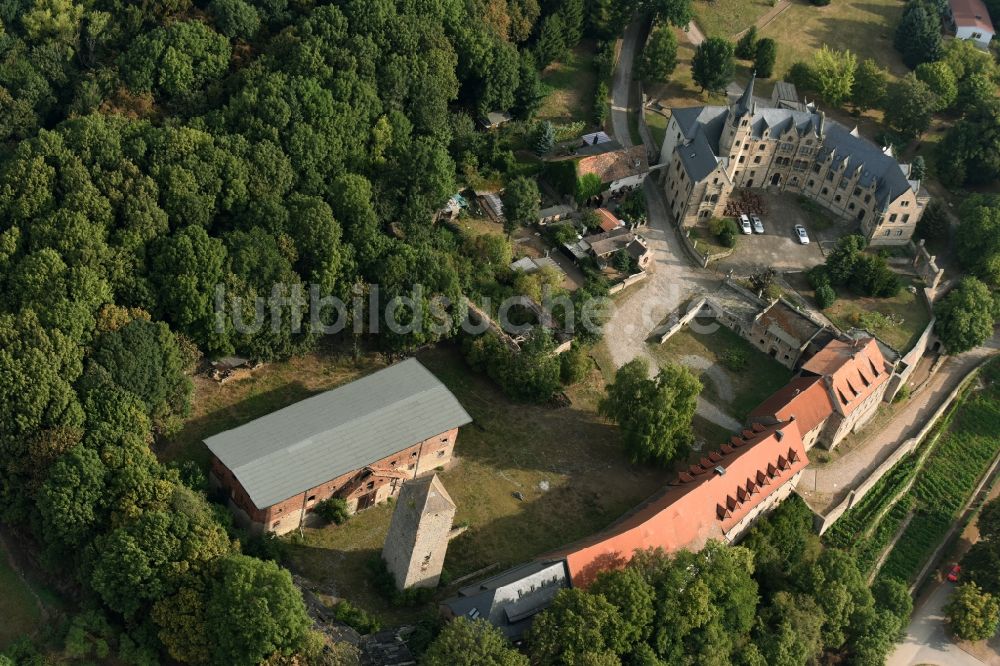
(621, 85)
(823, 486)
(927, 641)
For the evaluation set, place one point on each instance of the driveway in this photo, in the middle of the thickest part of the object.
(672, 281)
(777, 246)
(621, 85)
(927, 640)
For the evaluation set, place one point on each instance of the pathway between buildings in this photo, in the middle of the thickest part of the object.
(825, 485)
(672, 281)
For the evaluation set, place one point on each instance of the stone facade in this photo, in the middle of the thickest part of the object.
(361, 488)
(418, 535)
(710, 151)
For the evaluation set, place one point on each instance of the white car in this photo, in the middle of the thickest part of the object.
(800, 233)
(745, 224)
(758, 226)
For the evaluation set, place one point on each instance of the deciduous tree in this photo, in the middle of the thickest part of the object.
(659, 56)
(465, 642)
(712, 65)
(833, 74)
(973, 615)
(654, 414)
(965, 317)
(870, 84)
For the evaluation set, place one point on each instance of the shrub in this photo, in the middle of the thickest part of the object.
(356, 618)
(587, 186)
(735, 359)
(903, 394)
(820, 3)
(573, 365)
(746, 47)
(728, 238)
(825, 296)
(601, 103)
(333, 510)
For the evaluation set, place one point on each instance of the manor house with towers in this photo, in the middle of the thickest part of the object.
(708, 151)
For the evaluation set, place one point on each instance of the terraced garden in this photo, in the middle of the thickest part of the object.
(944, 472)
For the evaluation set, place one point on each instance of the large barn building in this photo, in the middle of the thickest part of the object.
(359, 442)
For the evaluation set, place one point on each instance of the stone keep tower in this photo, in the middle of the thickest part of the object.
(418, 534)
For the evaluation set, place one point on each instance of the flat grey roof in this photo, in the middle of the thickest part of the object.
(310, 442)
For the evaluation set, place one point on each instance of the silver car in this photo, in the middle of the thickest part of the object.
(758, 226)
(800, 233)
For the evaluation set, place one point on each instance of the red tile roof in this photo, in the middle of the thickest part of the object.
(700, 505)
(805, 399)
(856, 369)
(608, 220)
(971, 14)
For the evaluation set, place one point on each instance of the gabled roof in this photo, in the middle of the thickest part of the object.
(971, 14)
(705, 502)
(608, 222)
(509, 599)
(788, 324)
(310, 442)
(803, 398)
(853, 370)
(614, 165)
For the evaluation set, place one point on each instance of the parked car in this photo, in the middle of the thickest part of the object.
(745, 224)
(953, 574)
(800, 233)
(758, 226)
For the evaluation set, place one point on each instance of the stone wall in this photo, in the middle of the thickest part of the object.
(926, 266)
(627, 282)
(824, 522)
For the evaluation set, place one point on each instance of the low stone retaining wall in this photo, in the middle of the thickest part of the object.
(627, 282)
(825, 521)
(676, 323)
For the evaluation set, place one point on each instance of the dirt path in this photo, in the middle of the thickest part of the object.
(694, 33)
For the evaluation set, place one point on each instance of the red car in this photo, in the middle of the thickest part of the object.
(953, 574)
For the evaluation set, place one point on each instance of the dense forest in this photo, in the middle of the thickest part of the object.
(152, 151)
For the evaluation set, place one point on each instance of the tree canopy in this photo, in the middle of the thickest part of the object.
(654, 414)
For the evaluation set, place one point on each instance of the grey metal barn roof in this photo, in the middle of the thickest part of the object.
(313, 441)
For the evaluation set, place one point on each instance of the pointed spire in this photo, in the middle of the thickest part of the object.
(744, 104)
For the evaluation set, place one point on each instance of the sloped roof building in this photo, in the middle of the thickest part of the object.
(358, 441)
(710, 150)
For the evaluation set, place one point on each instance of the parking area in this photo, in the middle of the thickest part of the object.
(778, 246)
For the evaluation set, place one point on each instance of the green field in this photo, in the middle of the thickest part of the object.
(18, 609)
(509, 448)
(725, 18)
(909, 310)
(569, 87)
(657, 123)
(865, 27)
(761, 377)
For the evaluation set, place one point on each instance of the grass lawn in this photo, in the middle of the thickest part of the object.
(18, 608)
(275, 385)
(657, 123)
(735, 392)
(569, 87)
(865, 27)
(509, 448)
(681, 90)
(849, 309)
(725, 18)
